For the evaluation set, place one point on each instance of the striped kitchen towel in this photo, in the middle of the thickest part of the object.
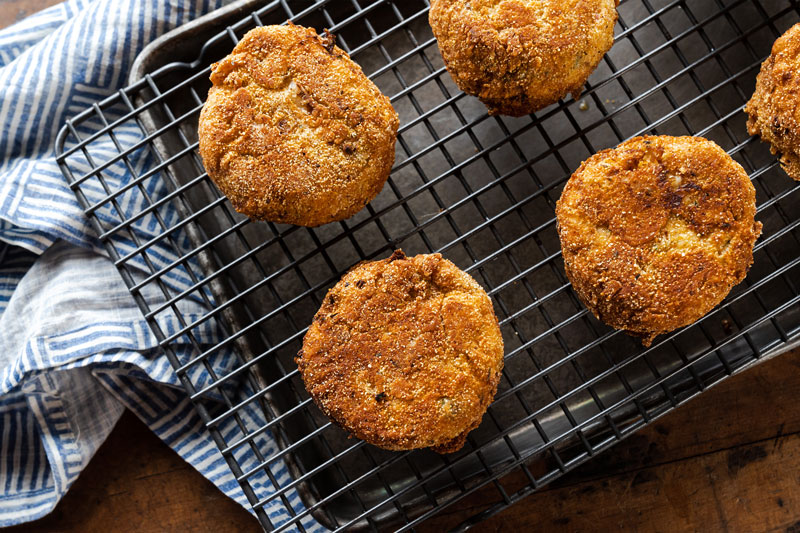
(75, 350)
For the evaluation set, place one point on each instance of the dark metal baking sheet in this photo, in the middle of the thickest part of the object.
(480, 190)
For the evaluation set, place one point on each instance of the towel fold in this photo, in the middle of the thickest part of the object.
(75, 350)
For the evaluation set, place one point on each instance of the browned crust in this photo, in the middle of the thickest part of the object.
(519, 56)
(293, 131)
(656, 231)
(404, 353)
(774, 109)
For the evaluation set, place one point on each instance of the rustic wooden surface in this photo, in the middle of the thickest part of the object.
(12, 11)
(728, 461)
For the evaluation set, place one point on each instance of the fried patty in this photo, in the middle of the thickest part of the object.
(774, 109)
(656, 232)
(404, 353)
(519, 56)
(293, 131)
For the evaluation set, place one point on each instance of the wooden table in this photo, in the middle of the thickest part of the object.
(728, 461)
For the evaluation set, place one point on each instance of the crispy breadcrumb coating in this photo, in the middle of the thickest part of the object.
(293, 131)
(774, 109)
(656, 232)
(519, 56)
(404, 353)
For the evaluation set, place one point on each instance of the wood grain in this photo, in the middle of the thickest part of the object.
(12, 11)
(734, 489)
(135, 483)
(728, 461)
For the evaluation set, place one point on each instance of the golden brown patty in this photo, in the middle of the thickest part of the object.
(519, 56)
(404, 353)
(774, 108)
(293, 131)
(656, 232)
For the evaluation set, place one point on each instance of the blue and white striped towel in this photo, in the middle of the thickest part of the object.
(75, 350)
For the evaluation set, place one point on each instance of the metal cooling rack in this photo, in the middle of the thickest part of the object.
(479, 189)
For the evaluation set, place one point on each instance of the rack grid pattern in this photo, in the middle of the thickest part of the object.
(479, 189)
